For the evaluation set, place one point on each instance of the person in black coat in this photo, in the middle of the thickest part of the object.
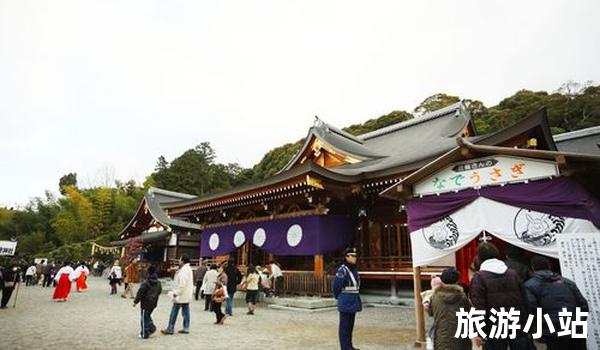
(495, 286)
(10, 278)
(551, 292)
(234, 277)
(148, 296)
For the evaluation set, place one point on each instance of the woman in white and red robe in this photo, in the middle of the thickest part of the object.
(63, 287)
(80, 276)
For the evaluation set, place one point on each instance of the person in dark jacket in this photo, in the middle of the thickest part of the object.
(447, 299)
(495, 286)
(234, 277)
(148, 296)
(517, 260)
(551, 292)
(10, 277)
(346, 287)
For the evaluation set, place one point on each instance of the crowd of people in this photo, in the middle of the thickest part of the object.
(519, 283)
(215, 283)
(44, 273)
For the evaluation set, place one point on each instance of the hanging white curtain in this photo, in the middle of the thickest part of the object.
(530, 230)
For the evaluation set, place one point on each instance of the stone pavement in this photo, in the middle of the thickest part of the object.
(97, 320)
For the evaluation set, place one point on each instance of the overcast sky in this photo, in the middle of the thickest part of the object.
(91, 86)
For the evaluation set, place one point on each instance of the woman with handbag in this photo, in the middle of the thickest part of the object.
(219, 296)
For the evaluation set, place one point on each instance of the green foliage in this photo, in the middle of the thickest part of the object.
(196, 172)
(275, 160)
(570, 108)
(74, 221)
(73, 251)
(67, 180)
(59, 227)
(102, 199)
(435, 102)
(31, 243)
(64, 227)
(378, 123)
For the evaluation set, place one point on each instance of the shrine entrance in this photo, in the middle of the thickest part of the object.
(249, 254)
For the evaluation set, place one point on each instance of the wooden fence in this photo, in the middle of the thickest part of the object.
(306, 283)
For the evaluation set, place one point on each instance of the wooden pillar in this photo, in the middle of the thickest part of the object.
(319, 266)
(419, 312)
(176, 245)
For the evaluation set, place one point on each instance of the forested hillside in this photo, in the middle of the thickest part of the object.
(65, 225)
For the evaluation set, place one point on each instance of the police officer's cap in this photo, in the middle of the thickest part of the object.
(350, 250)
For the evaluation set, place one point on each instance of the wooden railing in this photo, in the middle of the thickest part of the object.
(306, 283)
(384, 263)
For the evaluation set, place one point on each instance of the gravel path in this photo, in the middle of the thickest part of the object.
(97, 320)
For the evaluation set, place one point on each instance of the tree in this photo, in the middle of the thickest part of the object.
(435, 102)
(373, 124)
(193, 172)
(73, 222)
(161, 164)
(67, 180)
(102, 207)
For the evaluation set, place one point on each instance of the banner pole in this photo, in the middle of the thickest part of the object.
(16, 295)
(419, 311)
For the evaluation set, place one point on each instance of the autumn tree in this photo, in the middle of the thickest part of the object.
(69, 179)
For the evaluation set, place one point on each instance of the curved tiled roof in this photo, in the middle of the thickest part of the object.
(154, 199)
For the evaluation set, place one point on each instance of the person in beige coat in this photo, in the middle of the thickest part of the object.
(182, 295)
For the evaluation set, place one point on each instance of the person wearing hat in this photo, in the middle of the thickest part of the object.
(346, 286)
(447, 299)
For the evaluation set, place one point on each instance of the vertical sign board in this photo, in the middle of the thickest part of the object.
(8, 247)
(579, 255)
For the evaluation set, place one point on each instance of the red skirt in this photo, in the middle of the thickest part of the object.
(63, 288)
(81, 285)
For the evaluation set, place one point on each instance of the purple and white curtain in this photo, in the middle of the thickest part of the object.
(309, 235)
(531, 216)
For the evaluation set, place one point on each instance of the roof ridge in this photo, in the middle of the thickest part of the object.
(320, 123)
(153, 190)
(414, 121)
(593, 130)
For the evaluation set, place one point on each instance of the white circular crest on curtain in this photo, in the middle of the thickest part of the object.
(294, 235)
(213, 241)
(260, 236)
(239, 238)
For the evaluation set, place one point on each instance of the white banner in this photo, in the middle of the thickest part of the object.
(530, 230)
(8, 247)
(580, 262)
(494, 170)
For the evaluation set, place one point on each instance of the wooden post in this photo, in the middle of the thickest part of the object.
(393, 287)
(319, 266)
(176, 245)
(419, 312)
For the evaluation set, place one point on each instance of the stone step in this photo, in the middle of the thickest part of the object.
(310, 303)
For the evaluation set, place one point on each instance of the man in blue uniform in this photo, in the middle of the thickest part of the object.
(346, 285)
